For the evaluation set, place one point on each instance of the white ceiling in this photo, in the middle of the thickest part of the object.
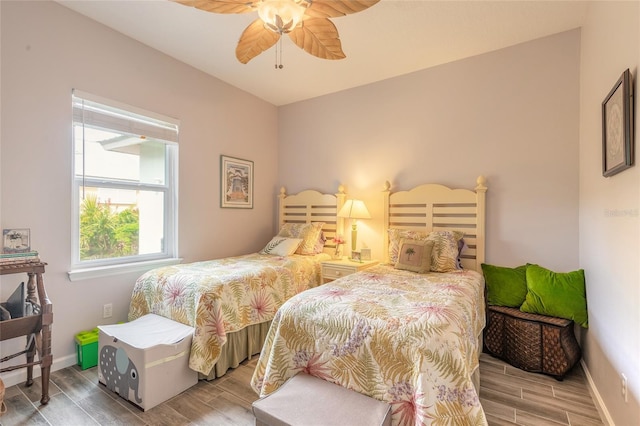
(392, 38)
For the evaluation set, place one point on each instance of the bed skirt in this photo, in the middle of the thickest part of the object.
(241, 345)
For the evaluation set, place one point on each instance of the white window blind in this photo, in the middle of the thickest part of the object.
(125, 199)
(100, 113)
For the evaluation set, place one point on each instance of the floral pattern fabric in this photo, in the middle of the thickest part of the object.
(408, 339)
(221, 296)
(310, 233)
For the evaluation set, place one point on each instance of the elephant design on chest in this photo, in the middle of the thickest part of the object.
(119, 372)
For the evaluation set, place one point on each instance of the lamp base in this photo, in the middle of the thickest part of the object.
(354, 236)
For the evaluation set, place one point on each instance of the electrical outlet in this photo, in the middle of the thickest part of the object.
(107, 310)
(623, 379)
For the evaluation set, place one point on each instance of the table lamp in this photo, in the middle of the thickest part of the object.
(354, 210)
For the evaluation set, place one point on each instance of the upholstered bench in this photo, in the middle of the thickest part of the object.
(531, 342)
(307, 400)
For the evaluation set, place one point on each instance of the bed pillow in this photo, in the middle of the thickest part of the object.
(444, 256)
(414, 255)
(281, 246)
(505, 286)
(319, 247)
(308, 232)
(462, 244)
(556, 294)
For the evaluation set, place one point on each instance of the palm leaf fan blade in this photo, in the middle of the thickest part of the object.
(254, 40)
(335, 8)
(318, 37)
(221, 6)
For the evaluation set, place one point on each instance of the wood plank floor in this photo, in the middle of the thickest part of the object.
(509, 396)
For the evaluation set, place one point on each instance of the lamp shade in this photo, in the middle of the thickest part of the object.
(354, 209)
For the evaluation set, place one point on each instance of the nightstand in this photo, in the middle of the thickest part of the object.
(334, 269)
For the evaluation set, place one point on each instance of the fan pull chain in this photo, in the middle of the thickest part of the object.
(278, 64)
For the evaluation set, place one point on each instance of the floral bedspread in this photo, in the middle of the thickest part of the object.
(221, 296)
(408, 339)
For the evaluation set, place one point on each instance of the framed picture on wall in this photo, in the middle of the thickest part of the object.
(617, 127)
(236, 183)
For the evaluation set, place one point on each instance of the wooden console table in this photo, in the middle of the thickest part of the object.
(38, 325)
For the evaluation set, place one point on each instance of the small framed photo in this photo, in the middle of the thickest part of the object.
(236, 183)
(16, 240)
(617, 127)
(365, 254)
(355, 256)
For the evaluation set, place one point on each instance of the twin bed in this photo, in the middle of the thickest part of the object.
(230, 302)
(410, 339)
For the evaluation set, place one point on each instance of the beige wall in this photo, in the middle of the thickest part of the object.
(46, 51)
(609, 214)
(527, 117)
(511, 115)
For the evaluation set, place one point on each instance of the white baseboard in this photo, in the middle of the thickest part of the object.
(597, 399)
(20, 375)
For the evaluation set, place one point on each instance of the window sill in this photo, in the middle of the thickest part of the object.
(105, 271)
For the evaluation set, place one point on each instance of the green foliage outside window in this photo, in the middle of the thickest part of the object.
(105, 233)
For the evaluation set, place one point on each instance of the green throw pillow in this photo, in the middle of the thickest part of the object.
(556, 294)
(505, 286)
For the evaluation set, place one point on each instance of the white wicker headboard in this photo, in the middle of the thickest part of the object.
(433, 207)
(312, 206)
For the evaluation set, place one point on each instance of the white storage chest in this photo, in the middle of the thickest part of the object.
(146, 361)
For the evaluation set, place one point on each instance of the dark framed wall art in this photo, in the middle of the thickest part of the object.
(617, 127)
(236, 183)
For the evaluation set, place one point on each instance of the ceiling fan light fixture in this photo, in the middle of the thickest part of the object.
(306, 21)
(281, 16)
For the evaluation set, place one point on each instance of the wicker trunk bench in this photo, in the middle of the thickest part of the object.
(305, 400)
(531, 342)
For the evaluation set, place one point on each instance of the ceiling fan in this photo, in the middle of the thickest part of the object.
(306, 21)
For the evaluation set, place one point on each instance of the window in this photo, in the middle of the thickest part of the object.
(124, 184)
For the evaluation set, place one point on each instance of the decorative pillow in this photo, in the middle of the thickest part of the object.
(505, 286)
(414, 255)
(319, 247)
(556, 294)
(281, 246)
(395, 235)
(444, 256)
(461, 246)
(308, 232)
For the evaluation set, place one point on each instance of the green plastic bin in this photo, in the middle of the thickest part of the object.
(87, 348)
